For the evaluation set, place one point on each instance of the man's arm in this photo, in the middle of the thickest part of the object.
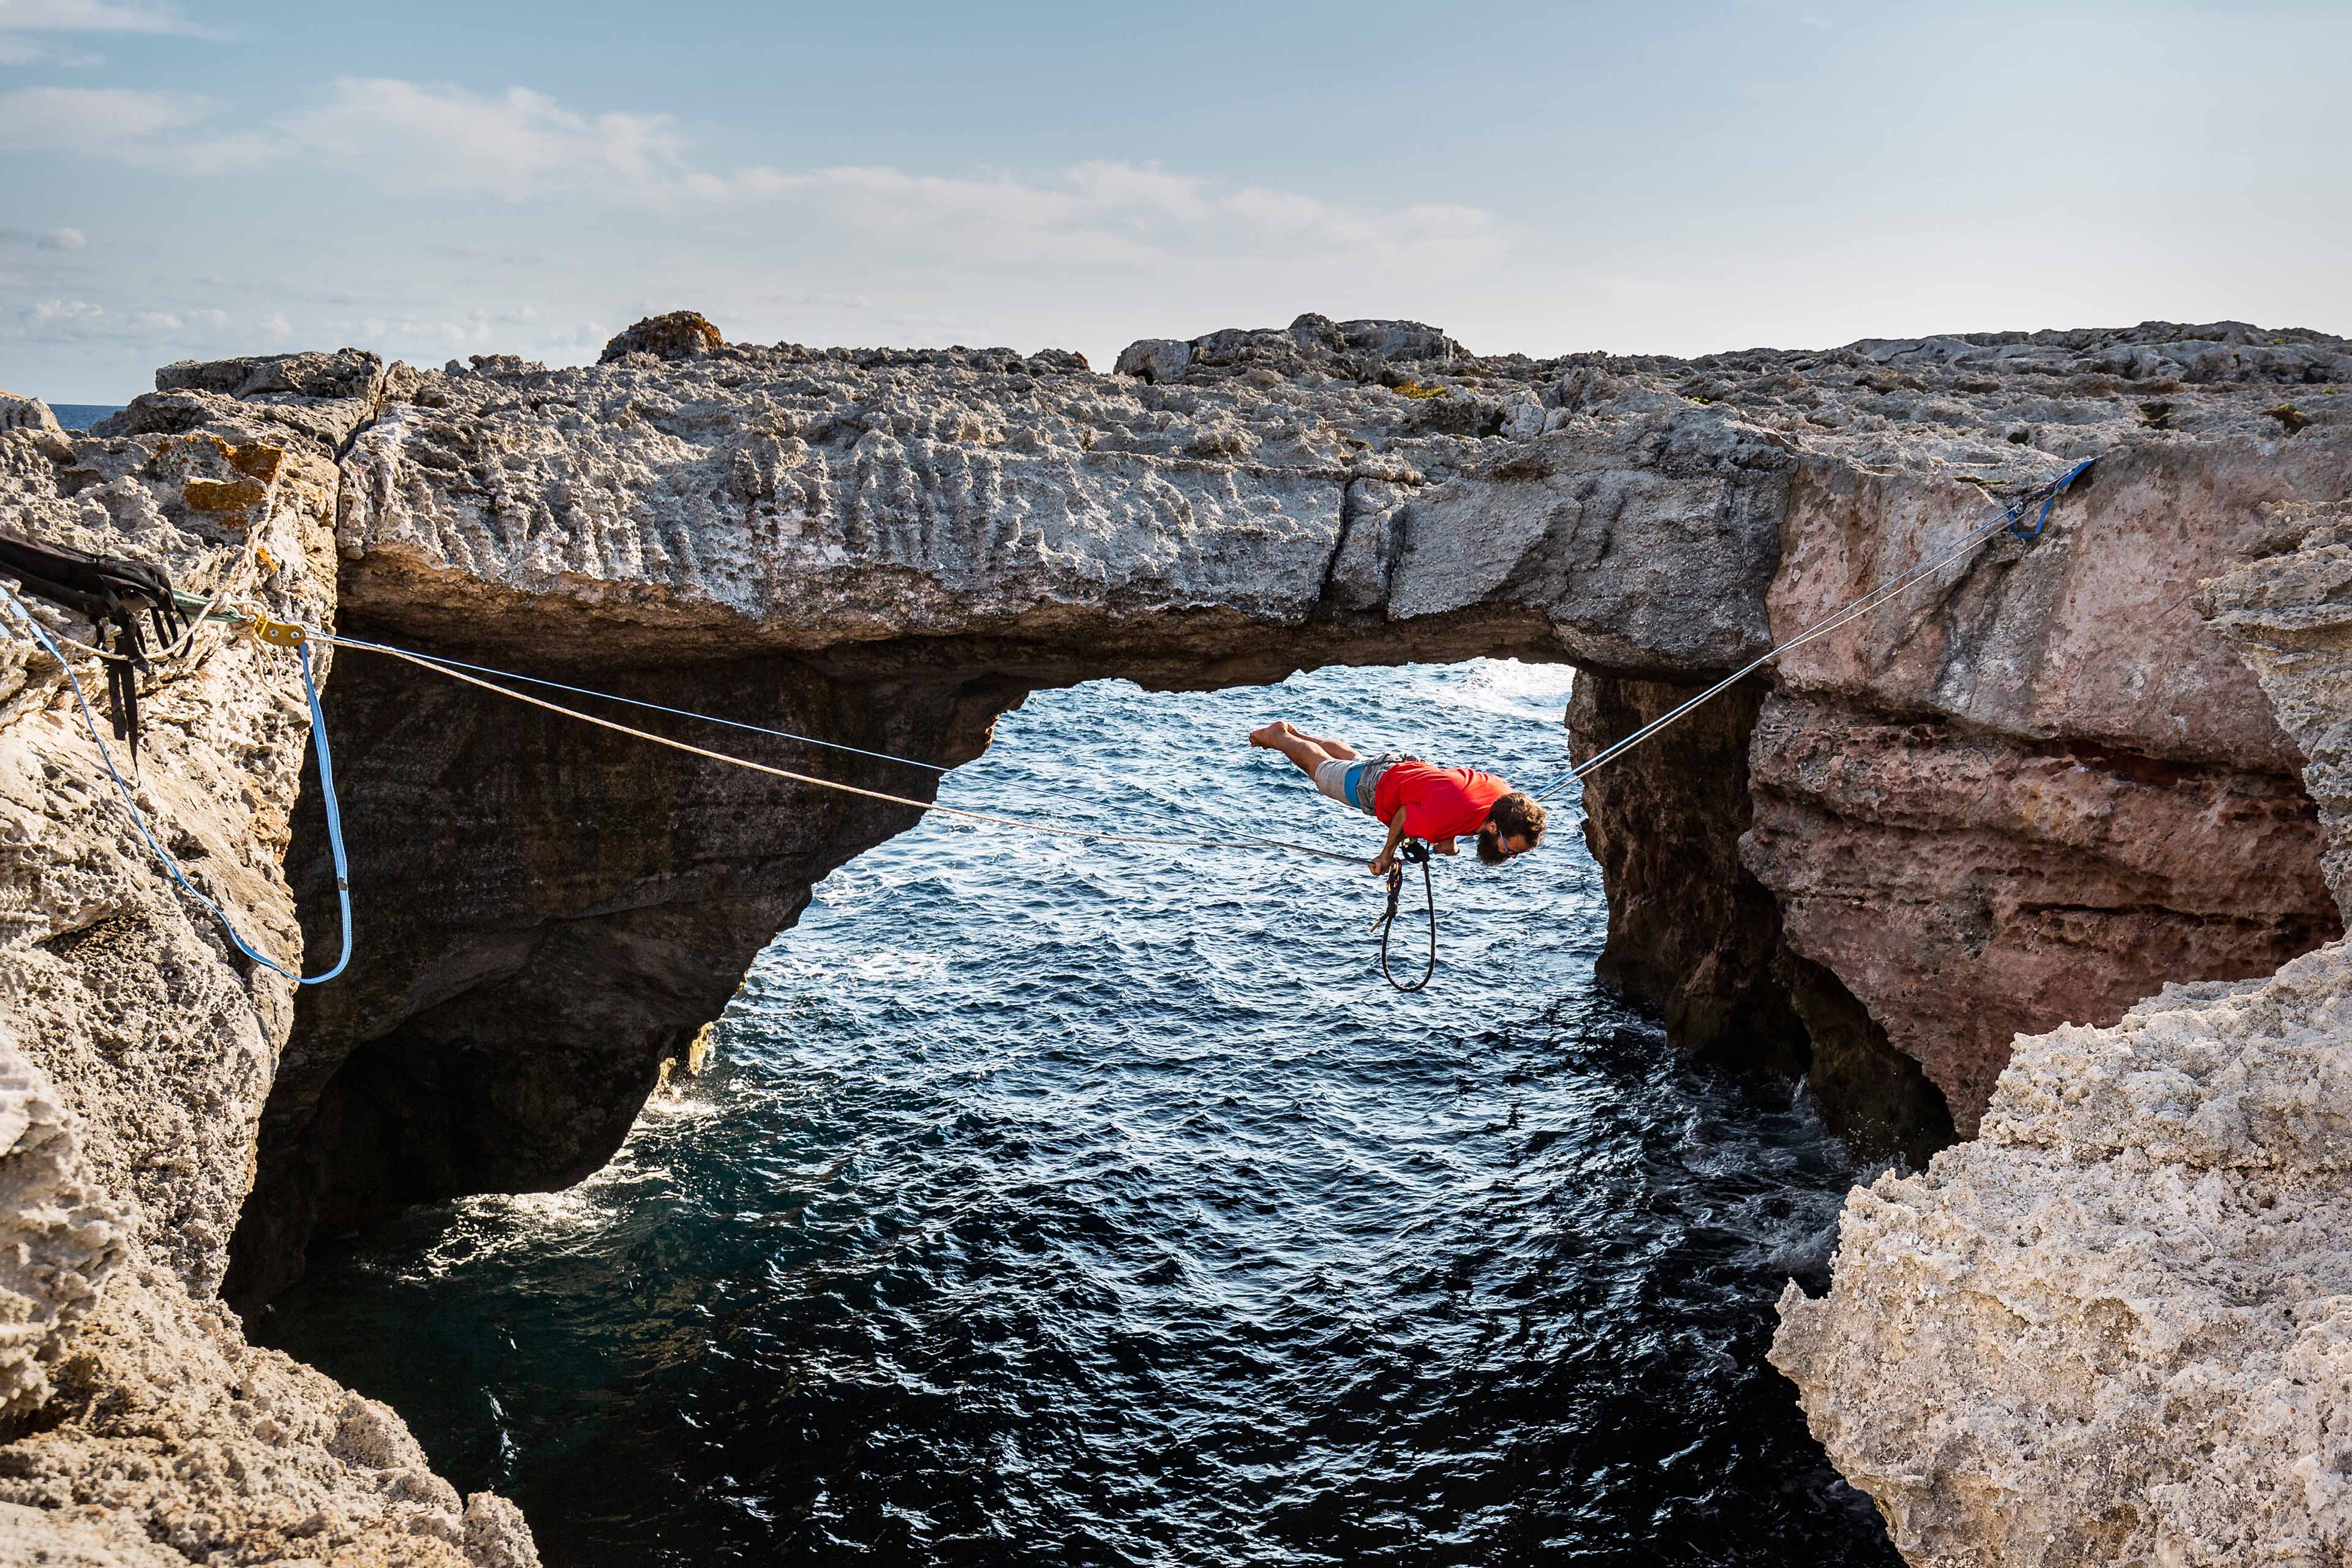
(1387, 862)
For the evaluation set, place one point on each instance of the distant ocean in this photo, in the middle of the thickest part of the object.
(82, 415)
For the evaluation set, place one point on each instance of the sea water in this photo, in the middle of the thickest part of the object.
(1050, 1202)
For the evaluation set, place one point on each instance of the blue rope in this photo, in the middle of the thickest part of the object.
(335, 820)
(326, 787)
(2048, 497)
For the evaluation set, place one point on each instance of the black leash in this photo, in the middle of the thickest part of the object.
(1414, 850)
(111, 593)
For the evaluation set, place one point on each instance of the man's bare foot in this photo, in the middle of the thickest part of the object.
(1271, 735)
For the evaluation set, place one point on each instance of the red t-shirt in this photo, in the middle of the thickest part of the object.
(1438, 802)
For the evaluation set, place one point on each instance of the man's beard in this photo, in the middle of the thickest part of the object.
(1490, 845)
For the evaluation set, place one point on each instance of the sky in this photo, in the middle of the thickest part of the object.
(431, 180)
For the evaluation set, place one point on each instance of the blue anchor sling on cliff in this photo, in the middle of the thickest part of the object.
(299, 637)
(139, 818)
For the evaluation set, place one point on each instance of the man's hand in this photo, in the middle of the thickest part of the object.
(1383, 866)
(1443, 845)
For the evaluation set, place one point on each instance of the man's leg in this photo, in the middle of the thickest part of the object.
(1339, 749)
(1304, 750)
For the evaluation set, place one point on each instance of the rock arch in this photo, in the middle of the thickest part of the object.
(2002, 803)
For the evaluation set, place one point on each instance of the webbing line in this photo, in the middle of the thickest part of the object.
(2047, 494)
(666, 708)
(426, 661)
(139, 818)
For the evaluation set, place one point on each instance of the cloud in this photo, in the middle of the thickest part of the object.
(65, 310)
(140, 127)
(16, 50)
(1104, 212)
(63, 118)
(518, 144)
(19, 18)
(522, 146)
(62, 239)
(171, 330)
(93, 16)
(998, 220)
(1143, 189)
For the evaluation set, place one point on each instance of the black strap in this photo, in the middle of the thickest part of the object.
(110, 593)
(1414, 850)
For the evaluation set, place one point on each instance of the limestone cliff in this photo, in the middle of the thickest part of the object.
(2118, 1327)
(2023, 798)
(137, 1051)
(784, 531)
(881, 548)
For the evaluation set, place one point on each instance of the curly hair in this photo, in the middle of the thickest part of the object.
(1514, 815)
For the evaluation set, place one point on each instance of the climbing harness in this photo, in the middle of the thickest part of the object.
(1414, 851)
(326, 788)
(126, 588)
(2047, 494)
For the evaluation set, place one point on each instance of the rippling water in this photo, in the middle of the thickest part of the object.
(1054, 1202)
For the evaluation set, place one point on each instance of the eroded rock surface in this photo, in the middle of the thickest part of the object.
(18, 411)
(61, 1237)
(886, 549)
(1966, 887)
(137, 1051)
(2118, 1327)
(2288, 611)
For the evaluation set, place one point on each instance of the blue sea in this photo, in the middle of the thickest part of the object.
(82, 415)
(1062, 1203)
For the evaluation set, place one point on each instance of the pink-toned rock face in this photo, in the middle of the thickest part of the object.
(2037, 788)
(2090, 632)
(1967, 887)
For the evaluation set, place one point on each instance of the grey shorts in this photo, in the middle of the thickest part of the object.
(1354, 782)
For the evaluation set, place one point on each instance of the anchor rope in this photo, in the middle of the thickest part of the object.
(429, 662)
(139, 818)
(2047, 494)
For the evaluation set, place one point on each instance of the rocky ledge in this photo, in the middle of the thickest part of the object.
(2027, 796)
(2117, 1327)
(137, 1427)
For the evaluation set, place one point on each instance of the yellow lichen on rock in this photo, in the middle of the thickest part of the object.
(231, 499)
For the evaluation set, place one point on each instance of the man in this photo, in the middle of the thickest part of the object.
(1416, 800)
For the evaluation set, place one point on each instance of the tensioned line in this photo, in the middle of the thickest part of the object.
(2047, 494)
(473, 675)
